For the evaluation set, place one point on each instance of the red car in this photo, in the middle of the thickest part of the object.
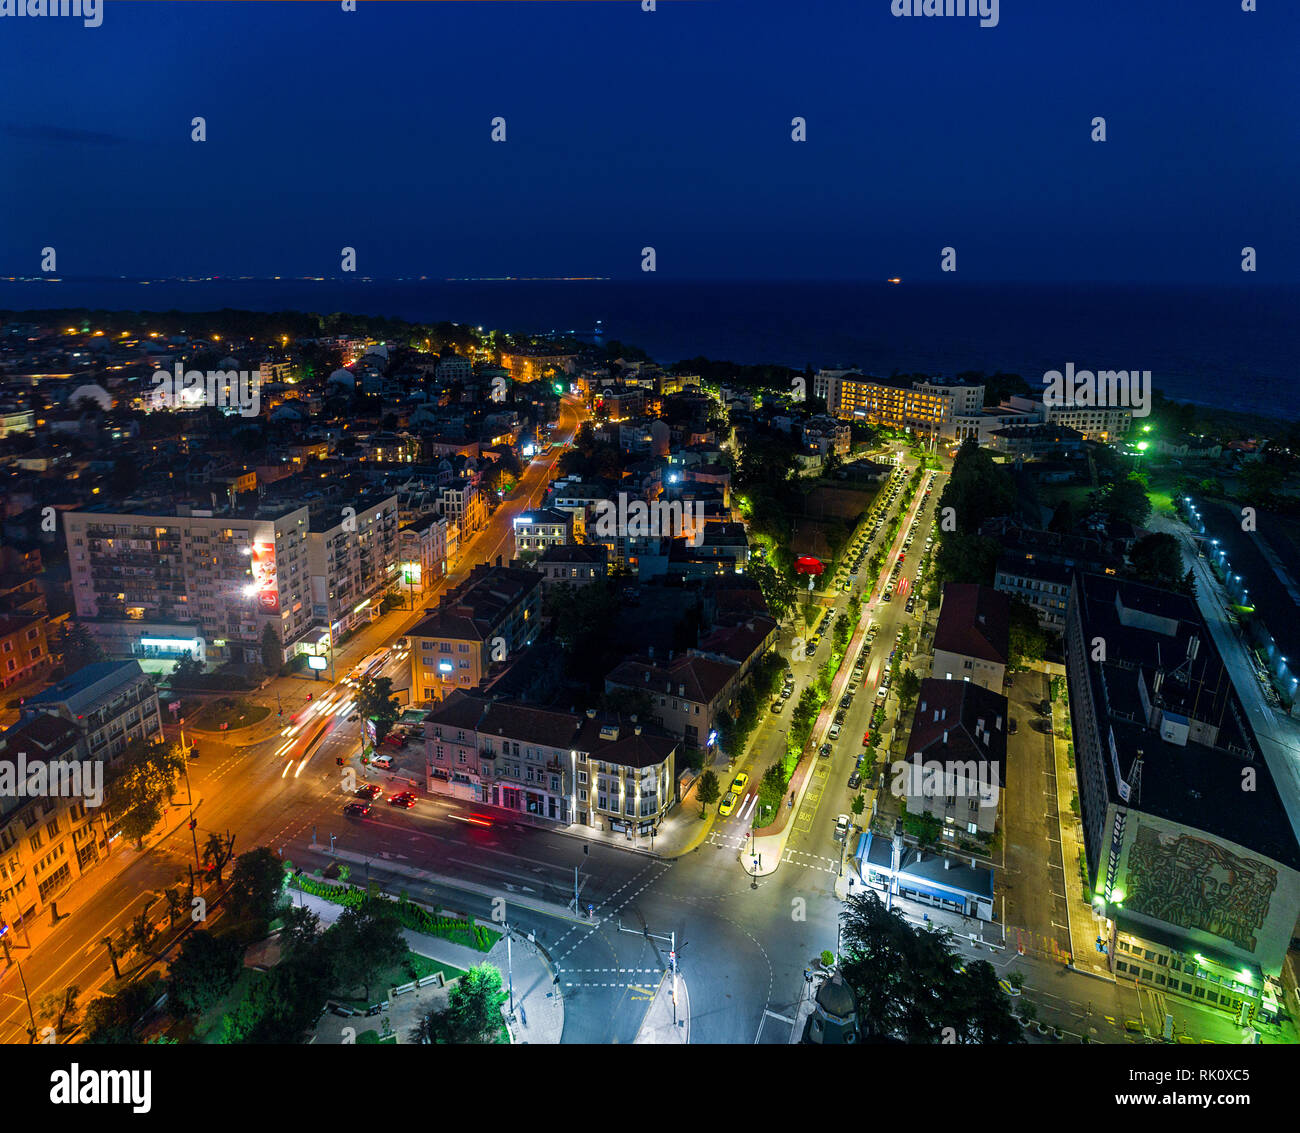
(370, 791)
(395, 739)
(866, 738)
(403, 799)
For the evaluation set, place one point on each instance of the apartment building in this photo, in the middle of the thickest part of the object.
(24, 649)
(485, 620)
(1198, 878)
(972, 636)
(1043, 585)
(687, 693)
(112, 703)
(625, 775)
(422, 553)
(47, 840)
(464, 504)
(957, 764)
(352, 556)
(165, 583)
(575, 563)
(543, 527)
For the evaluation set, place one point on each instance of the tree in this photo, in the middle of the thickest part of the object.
(909, 985)
(909, 687)
(859, 804)
(272, 650)
(708, 791)
(203, 971)
(473, 1011)
(78, 647)
(1026, 640)
(217, 852)
(1126, 500)
(256, 884)
(363, 942)
(1157, 560)
(375, 702)
(779, 591)
(112, 1019)
(146, 775)
(60, 1007)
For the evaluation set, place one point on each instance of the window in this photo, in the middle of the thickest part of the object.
(36, 841)
(52, 828)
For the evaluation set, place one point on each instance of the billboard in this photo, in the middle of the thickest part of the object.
(264, 586)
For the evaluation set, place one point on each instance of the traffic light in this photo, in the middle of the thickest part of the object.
(279, 711)
(193, 823)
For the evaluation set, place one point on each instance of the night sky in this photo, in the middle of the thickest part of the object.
(670, 129)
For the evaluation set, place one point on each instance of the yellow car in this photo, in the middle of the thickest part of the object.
(739, 783)
(727, 805)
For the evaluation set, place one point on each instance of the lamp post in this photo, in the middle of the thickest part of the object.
(185, 763)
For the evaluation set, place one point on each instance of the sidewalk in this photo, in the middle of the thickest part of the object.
(1084, 925)
(658, 1025)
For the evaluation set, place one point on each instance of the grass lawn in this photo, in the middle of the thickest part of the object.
(412, 967)
(234, 712)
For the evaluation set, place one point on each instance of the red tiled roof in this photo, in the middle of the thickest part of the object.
(974, 621)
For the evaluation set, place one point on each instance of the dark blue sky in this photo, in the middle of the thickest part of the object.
(670, 128)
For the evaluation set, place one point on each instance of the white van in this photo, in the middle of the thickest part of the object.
(384, 761)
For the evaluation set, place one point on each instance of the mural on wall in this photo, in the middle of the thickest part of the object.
(1197, 884)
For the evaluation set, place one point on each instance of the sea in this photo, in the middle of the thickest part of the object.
(1223, 347)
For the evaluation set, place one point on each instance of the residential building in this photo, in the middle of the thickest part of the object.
(575, 563)
(687, 693)
(972, 637)
(543, 527)
(24, 650)
(352, 555)
(957, 763)
(112, 703)
(1043, 585)
(484, 620)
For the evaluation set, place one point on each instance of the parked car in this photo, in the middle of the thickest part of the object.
(824, 750)
(395, 739)
(842, 824)
(739, 783)
(834, 733)
(855, 780)
(787, 691)
(846, 700)
(1011, 726)
(357, 810)
(777, 705)
(839, 716)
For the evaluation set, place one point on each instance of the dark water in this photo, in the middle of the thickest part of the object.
(1228, 347)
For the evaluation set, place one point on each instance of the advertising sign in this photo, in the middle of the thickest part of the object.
(268, 597)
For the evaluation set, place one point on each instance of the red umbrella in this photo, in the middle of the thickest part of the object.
(808, 564)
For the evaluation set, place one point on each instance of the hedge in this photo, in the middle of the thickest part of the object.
(409, 914)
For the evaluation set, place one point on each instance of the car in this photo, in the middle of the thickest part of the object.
(403, 799)
(727, 805)
(809, 649)
(839, 716)
(866, 742)
(815, 640)
(357, 810)
(846, 700)
(395, 739)
(911, 605)
(1012, 725)
(881, 693)
(777, 705)
(842, 824)
(194, 751)
(787, 691)
(834, 733)
(1045, 707)
(739, 783)
(384, 761)
(855, 780)
(369, 791)
(824, 750)
(888, 596)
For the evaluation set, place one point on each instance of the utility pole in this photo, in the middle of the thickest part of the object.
(185, 763)
(28, 999)
(510, 970)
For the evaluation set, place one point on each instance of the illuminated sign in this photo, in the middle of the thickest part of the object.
(171, 642)
(445, 666)
(522, 519)
(360, 606)
(317, 663)
(264, 586)
(411, 573)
